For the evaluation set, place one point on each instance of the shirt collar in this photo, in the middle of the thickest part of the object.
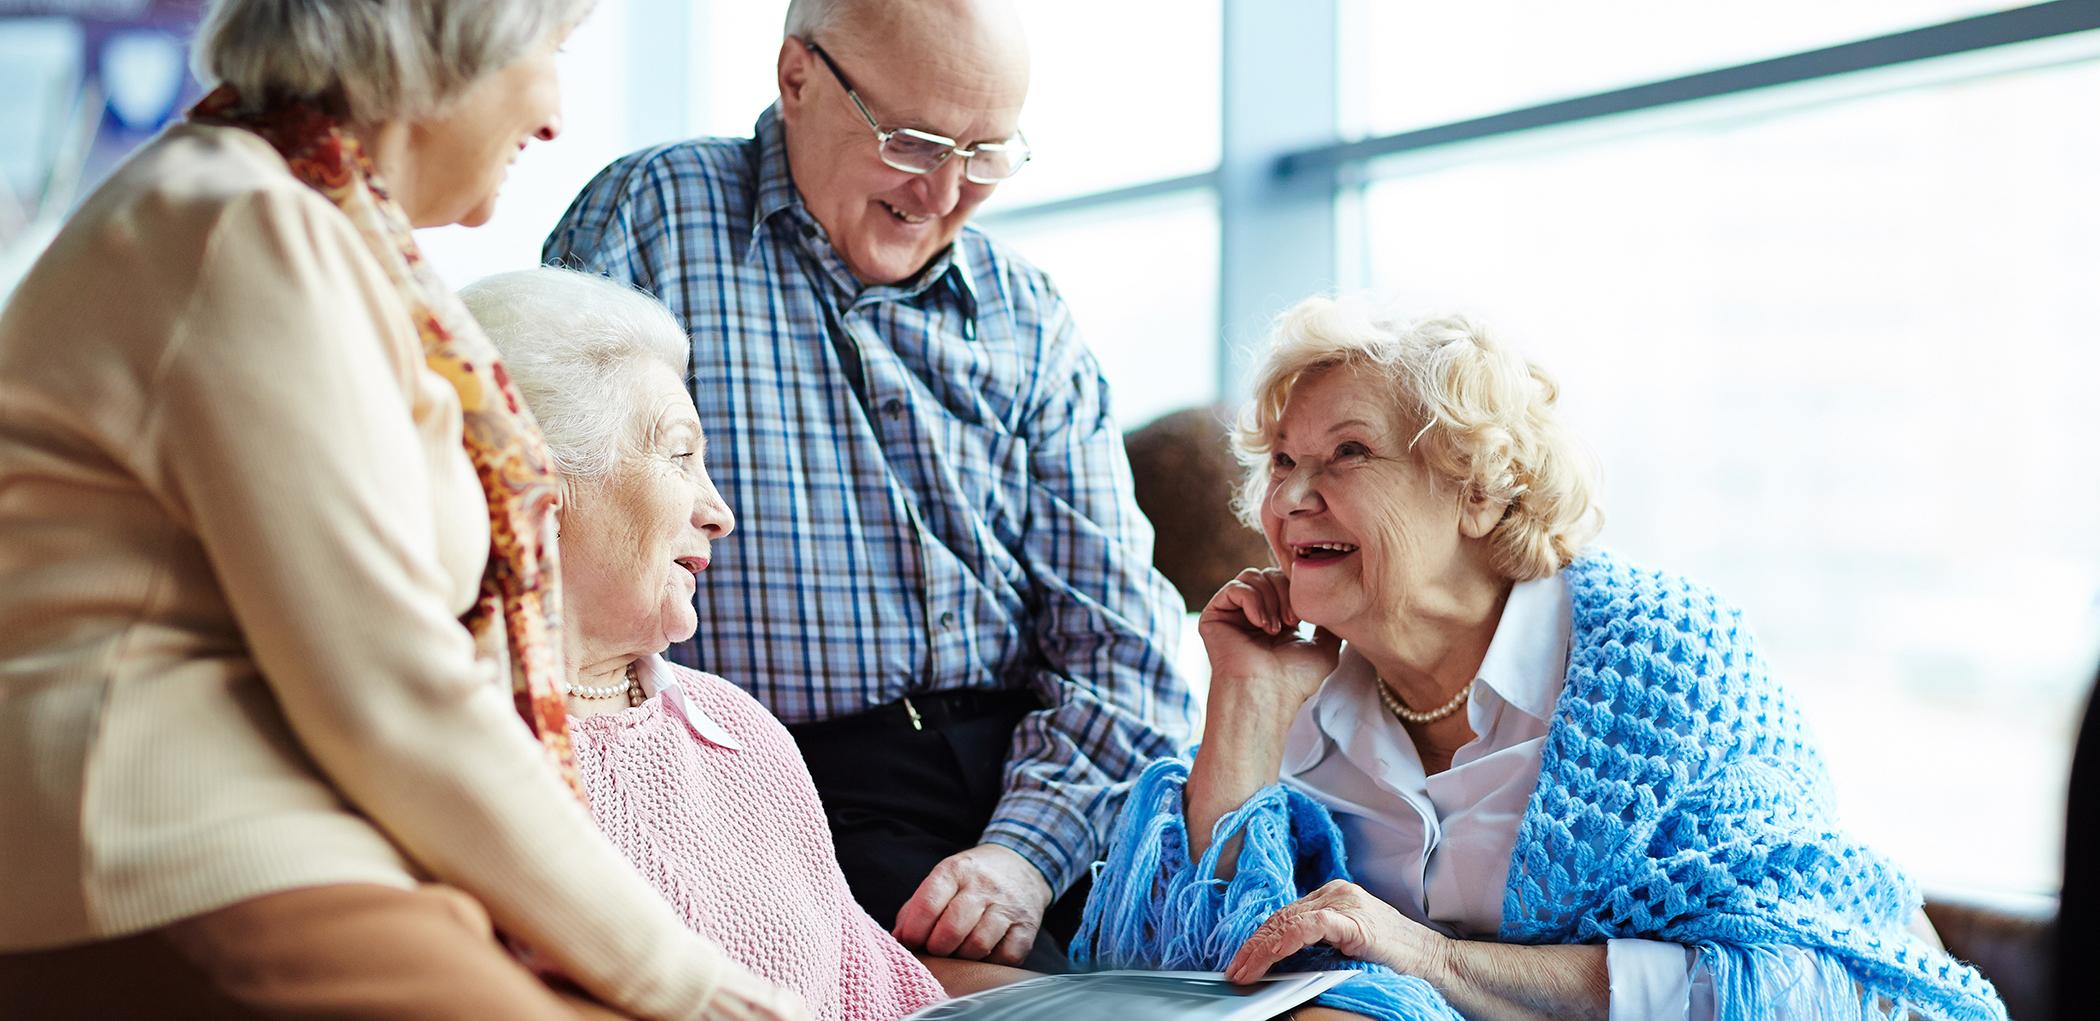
(1526, 663)
(777, 195)
(1527, 660)
(776, 186)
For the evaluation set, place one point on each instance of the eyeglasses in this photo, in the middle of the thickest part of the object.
(922, 152)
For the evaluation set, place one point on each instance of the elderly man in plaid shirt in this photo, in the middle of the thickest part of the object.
(942, 583)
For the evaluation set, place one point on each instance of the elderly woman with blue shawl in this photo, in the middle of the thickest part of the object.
(1504, 777)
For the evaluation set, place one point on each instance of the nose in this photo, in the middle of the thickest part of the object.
(1296, 494)
(550, 129)
(941, 188)
(711, 515)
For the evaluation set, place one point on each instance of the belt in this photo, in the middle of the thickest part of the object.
(928, 710)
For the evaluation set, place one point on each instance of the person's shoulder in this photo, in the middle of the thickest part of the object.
(1658, 630)
(1606, 587)
(196, 204)
(705, 175)
(1001, 274)
(191, 181)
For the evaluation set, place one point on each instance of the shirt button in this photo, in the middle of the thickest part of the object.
(893, 407)
(809, 230)
(947, 620)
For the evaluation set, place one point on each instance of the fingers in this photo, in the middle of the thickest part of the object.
(785, 1005)
(1326, 915)
(1259, 596)
(957, 925)
(744, 996)
(916, 919)
(1014, 947)
(1284, 934)
(975, 929)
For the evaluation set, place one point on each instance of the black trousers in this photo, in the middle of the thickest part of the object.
(901, 798)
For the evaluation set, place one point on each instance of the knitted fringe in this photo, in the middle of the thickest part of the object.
(1757, 983)
(1152, 908)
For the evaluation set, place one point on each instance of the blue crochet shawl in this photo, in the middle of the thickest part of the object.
(1679, 799)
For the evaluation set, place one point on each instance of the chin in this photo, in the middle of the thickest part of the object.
(680, 626)
(886, 269)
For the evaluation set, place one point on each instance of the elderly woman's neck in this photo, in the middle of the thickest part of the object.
(391, 149)
(592, 666)
(1435, 643)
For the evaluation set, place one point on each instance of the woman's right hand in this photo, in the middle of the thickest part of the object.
(1251, 634)
(744, 996)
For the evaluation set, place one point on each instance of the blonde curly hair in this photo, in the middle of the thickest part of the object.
(1481, 414)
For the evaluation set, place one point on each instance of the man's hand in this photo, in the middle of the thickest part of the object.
(984, 904)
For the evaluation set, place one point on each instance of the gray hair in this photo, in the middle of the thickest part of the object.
(382, 60)
(808, 19)
(572, 343)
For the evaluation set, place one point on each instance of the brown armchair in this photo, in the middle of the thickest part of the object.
(2012, 940)
(1185, 475)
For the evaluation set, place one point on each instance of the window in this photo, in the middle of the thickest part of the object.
(598, 87)
(1142, 280)
(1836, 363)
(1413, 65)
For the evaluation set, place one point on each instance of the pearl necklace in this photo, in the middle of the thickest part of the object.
(1406, 715)
(632, 689)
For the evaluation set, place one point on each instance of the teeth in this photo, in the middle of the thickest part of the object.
(900, 214)
(1331, 547)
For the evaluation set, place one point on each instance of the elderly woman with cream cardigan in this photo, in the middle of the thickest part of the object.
(1504, 775)
(277, 578)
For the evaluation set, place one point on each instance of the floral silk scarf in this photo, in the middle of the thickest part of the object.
(520, 600)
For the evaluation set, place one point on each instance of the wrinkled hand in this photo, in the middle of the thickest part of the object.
(1251, 634)
(984, 904)
(743, 996)
(1343, 916)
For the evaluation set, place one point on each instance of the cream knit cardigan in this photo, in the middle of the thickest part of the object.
(236, 529)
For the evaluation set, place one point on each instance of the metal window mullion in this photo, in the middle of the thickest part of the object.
(1276, 234)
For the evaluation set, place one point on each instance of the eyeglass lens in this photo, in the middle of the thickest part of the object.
(907, 150)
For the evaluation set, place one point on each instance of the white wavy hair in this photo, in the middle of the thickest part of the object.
(381, 60)
(1482, 416)
(573, 343)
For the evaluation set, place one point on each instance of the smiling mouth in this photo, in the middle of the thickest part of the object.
(695, 565)
(1321, 552)
(902, 217)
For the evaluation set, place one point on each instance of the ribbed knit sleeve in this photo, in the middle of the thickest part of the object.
(281, 429)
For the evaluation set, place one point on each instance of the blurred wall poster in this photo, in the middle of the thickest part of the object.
(87, 81)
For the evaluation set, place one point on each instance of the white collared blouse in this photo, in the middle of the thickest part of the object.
(1437, 848)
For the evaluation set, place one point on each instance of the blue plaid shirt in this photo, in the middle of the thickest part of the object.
(966, 520)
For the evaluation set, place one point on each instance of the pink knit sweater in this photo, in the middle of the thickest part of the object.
(736, 840)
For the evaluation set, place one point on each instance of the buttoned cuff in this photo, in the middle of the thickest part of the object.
(1053, 836)
(1650, 980)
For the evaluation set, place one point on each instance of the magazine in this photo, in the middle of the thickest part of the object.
(1136, 996)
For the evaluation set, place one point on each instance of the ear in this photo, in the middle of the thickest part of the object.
(791, 71)
(1479, 515)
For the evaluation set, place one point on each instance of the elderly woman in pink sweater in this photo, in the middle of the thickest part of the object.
(697, 783)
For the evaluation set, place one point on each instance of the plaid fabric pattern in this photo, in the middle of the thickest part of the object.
(931, 494)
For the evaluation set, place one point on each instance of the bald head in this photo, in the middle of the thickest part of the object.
(987, 31)
(955, 69)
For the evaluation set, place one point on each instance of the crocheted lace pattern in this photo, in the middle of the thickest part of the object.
(1680, 798)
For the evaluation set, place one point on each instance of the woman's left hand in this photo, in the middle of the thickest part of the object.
(1344, 916)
